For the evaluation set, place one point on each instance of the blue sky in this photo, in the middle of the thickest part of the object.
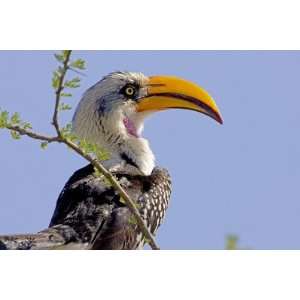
(239, 178)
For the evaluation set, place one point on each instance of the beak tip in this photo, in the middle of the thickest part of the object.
(218, 118)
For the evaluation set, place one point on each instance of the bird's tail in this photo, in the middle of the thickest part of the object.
(56, 237)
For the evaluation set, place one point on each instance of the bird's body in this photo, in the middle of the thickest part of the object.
(87, 203)
(89, 213)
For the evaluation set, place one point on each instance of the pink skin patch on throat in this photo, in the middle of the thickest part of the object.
(131, 129)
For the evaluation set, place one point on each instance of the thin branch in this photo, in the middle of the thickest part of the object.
(34, 135)
(59, 90)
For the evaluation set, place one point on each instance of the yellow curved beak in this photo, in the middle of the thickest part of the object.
(165, 92)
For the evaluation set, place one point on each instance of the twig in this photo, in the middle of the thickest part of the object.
(59, 90)
(34, 135)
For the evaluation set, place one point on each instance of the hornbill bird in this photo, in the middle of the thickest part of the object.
(111, 114)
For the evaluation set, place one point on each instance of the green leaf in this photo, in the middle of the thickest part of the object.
(55, 79)
(44, 145)
(64, 106)
(73, 83)
(59, 57)
(66, 94)
(26, 125)
(15, 135)
(3, 119)
(68, 127)
(72, 137)
(91, 148)
(232, 242)
(78, 64)
(67, 131)
(15, 119)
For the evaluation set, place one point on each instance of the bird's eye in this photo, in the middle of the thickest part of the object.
(129, 90)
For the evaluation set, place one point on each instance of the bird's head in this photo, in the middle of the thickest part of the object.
(111, 113)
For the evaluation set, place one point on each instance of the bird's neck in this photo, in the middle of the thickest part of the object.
(124, 141)
(137, 152)
(120, 134)
(134, 158)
